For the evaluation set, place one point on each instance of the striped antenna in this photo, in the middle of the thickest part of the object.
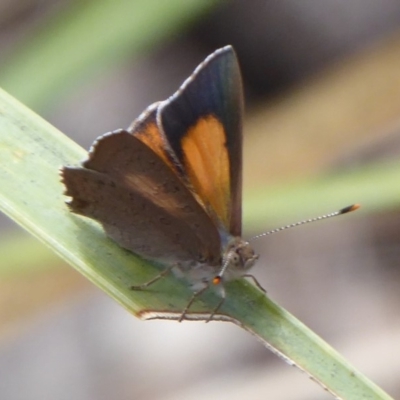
(344, 210)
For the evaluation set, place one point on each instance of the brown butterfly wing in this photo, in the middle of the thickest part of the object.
(141, 203)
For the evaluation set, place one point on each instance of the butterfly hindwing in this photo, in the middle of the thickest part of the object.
(130, 190)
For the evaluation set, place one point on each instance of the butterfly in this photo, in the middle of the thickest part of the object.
(169, 188)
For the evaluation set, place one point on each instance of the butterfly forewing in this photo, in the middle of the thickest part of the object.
(202, 123)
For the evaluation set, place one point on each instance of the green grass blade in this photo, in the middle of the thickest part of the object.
(21, 254)
(31, 151)
(290, 339)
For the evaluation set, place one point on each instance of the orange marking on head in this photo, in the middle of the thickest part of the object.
(217, 280)
(207, 163)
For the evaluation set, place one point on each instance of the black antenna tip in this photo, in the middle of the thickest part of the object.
(348, 209)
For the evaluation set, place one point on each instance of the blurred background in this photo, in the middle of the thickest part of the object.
(322, 84)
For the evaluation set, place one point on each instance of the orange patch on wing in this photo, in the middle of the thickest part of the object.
(207, 165)
(150, 135)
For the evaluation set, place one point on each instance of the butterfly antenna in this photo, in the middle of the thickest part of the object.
(344, 210)
(218, 278)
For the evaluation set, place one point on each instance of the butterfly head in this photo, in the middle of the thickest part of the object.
(238, 258)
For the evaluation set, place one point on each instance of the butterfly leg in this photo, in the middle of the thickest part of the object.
(191, 301)
(253, 278)
(153, 280)
(197, 294)
(223, 296)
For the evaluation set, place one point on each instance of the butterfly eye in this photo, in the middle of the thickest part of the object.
(235, 258)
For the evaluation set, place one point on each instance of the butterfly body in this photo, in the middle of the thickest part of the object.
(169, 187)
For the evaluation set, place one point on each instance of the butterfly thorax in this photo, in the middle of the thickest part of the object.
(237, 257)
